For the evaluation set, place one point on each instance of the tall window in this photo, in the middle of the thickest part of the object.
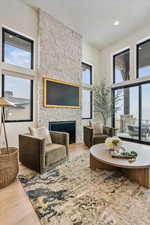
(127, 112)
(121, 66)
(17, 49)
(143, 59)
(132, 112)
(86, 91)
(20, 92)
(145, 112)
(86, 104)
(86, 74)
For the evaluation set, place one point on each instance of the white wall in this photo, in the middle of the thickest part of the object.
(21, 18)
(91, 56)
(128, 42)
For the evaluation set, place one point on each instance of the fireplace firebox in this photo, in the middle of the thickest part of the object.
(65, 126)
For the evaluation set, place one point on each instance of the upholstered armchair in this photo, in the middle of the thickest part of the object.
(37, 155)
(92, 139)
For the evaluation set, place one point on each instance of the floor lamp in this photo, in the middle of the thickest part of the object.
(5, 103)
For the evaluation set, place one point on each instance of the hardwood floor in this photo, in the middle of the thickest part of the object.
(15, 207)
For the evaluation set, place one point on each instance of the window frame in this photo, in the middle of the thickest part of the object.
(21, 37)
(89, 88)
(91, 73)
(117, 54)
(31, 98)
(137, 56)
(139, 85)
(91, 105)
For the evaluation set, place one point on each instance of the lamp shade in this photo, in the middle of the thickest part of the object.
(4, 102)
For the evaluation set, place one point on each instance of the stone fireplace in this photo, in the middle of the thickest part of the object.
(60, 59)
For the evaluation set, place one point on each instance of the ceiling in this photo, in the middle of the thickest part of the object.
(94, 19)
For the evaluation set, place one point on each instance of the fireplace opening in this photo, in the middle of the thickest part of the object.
(65, 126)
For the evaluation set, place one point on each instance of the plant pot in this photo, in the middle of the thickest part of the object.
(9, 166)
(116, 149)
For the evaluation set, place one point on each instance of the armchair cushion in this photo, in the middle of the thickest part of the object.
(41, 132)
(61, 138)
(54, 153)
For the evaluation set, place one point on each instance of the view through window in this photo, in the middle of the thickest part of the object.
(132, 115)
(86, 74)
(17, 50)
(86, 102)
(121, 66)
(86, 91)
(143, 59)
(19, 91)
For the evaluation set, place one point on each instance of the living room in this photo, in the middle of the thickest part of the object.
(75, 121)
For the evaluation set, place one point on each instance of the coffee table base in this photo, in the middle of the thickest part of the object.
(141, 176)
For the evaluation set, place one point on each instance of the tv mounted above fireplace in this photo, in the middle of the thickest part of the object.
(60, 94)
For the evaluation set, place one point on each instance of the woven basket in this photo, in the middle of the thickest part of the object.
(9, 166)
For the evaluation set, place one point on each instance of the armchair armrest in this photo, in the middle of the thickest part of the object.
(88, 136)
(61, 138)
(32, 152)
(110, 131)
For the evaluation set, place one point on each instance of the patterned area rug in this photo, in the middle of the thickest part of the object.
(73, 194)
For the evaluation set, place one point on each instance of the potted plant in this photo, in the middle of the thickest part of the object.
(103, 101)
(114, 143)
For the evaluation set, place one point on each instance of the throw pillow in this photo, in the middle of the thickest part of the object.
(97, 127)
(41, 132)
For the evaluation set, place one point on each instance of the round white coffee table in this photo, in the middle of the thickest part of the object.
(138, 170)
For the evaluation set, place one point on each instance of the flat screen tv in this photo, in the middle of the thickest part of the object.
(60, 94)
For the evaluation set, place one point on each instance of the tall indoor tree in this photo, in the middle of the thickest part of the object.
(103, 101)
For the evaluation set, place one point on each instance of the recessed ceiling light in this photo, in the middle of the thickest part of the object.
(116, 23)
